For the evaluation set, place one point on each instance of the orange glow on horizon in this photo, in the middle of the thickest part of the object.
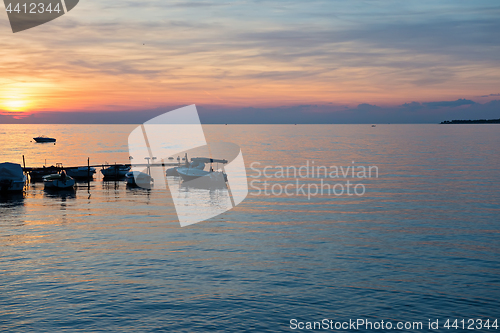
(81, 91)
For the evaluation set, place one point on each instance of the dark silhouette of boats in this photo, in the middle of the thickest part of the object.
(37, 175)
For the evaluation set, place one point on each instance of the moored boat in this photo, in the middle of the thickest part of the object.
(59, 181)
(117, 171)
(12, 178)
(139, 179)
(81, 172)
(172, 172)
(195, 170)
(37, 175)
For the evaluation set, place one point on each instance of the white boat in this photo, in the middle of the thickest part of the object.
(115, 171)
(59, 181)
(81, 173)
(43, 138)
(172, 172)
(195, 170)
(12, 178)
(139, 179)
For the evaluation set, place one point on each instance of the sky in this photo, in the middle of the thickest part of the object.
(255, 61)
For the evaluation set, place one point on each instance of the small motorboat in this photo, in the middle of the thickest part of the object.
(117, 171)
(58, 181)
(37, 175)
(12, 178)
(172, 172)
(139, 179)
(188, 174)
(195, 170)
(81, 172)
(44, 139)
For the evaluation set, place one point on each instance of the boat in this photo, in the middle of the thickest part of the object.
(172, 172)
(12, 178)
(139, 179)
(196, 169)
(117, 171)
(81, 172)
(58, 181)
(43, 139)
(37, 175)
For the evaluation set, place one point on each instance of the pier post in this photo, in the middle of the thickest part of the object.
(88, 174)
(24, 166)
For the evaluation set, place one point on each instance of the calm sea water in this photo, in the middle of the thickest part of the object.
(422, 243)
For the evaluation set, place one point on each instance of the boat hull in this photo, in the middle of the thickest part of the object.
(81, 173)
(172, 172)
(139, 179)
(37, 176)
(115, 172)
(12, 178)
(12, 186)
(53, 182)
(188, 174)
(44, 140)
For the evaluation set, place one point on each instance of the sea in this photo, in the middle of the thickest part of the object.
(414, 239)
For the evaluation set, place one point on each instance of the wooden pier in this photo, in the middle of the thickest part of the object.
(60, 167)
(36, 173)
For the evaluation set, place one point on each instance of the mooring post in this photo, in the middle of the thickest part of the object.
(24, 166)
(88, 173)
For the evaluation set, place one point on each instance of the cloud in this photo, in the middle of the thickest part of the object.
(364, 107)
(446, 104)
(413, 106)
(490, 95)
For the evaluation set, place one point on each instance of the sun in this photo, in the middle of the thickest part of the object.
(15, 99)
(15, 105)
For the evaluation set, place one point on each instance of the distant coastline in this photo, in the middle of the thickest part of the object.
(478, 121)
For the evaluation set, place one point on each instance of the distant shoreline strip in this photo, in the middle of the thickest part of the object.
(478, 121)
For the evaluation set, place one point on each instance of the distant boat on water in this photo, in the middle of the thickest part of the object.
(12, 178)
(43, 139)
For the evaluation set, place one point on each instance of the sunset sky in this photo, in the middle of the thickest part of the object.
(253, 58)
